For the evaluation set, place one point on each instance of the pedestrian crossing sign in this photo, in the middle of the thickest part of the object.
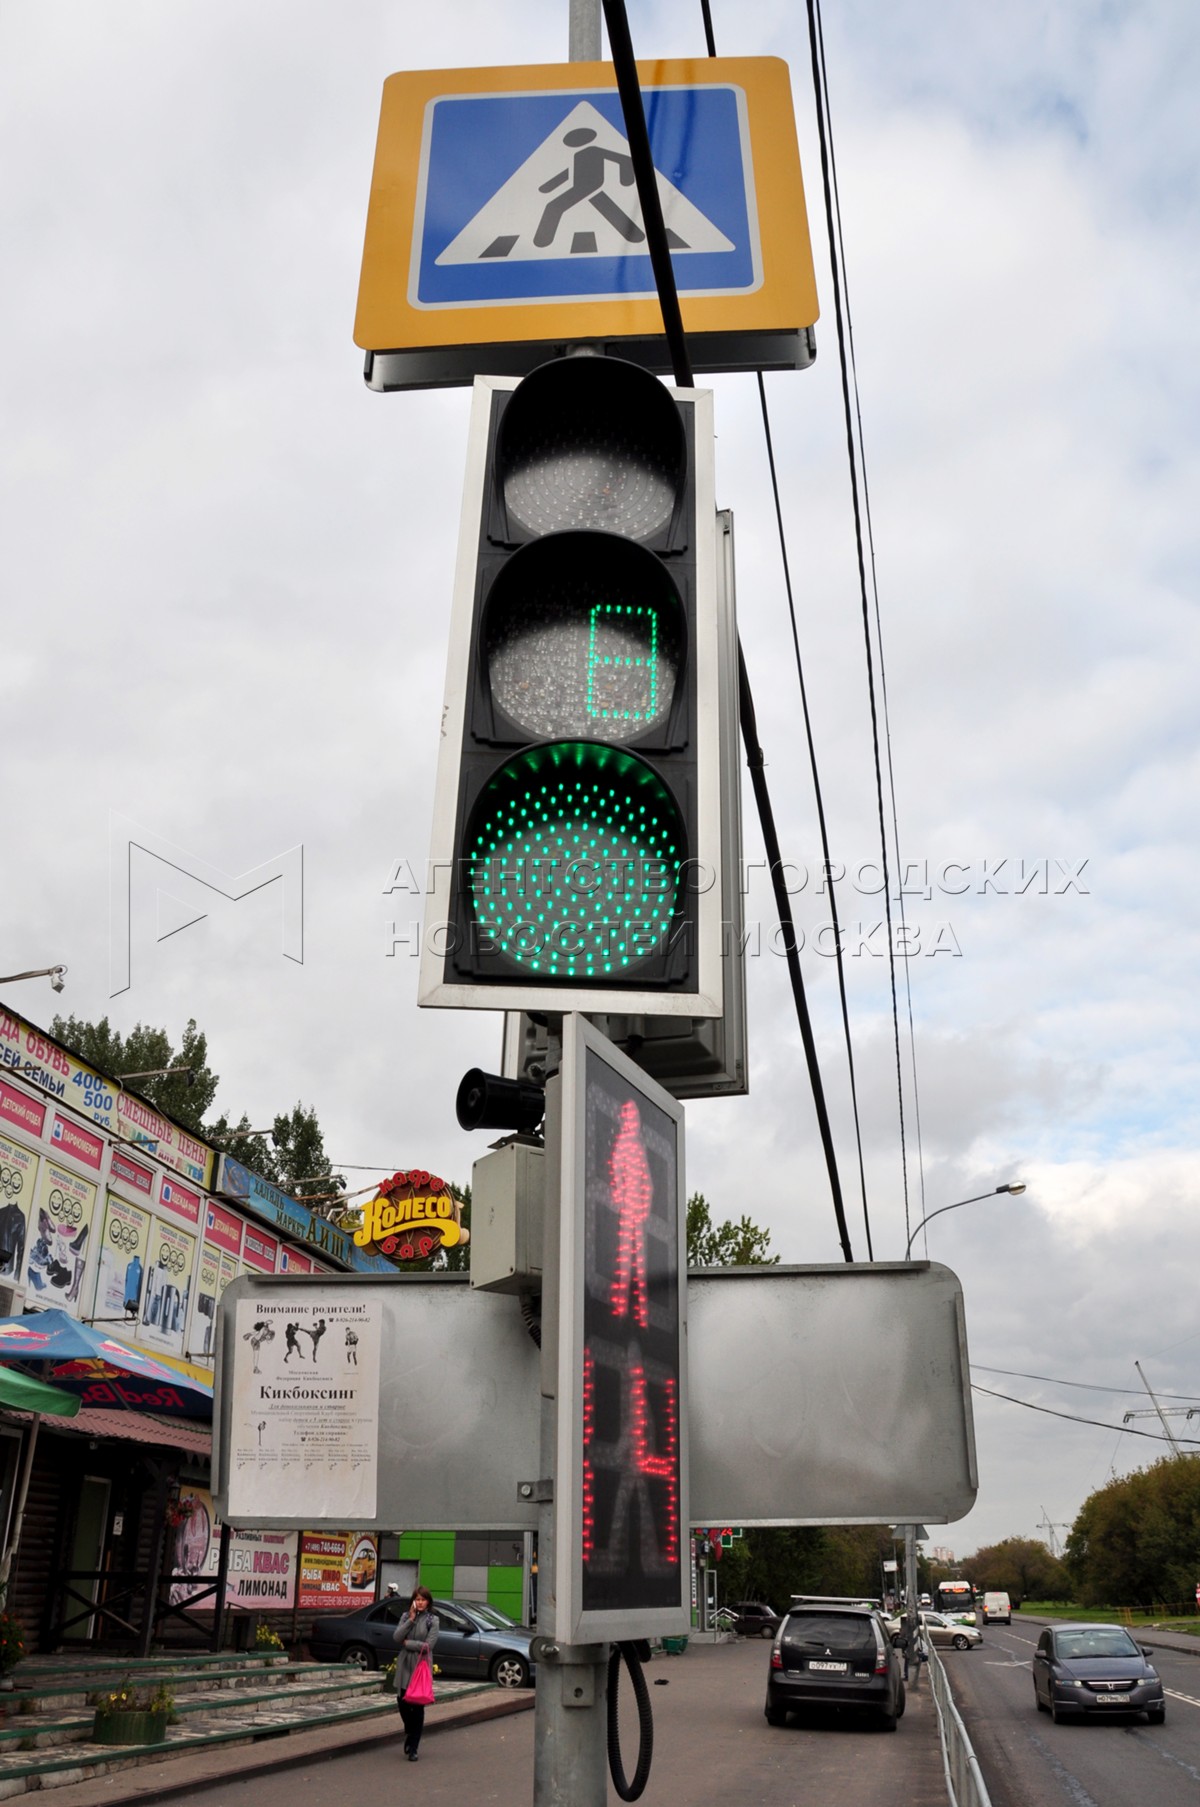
(504, 218)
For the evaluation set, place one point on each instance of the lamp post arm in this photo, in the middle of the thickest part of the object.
(943, 1208)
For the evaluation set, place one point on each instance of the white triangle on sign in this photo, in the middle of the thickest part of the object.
(173, 916)
(575, 197)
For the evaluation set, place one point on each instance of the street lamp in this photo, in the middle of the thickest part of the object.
(1014, 1186)
(53, 973)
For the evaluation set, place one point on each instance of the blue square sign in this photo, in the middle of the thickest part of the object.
(530, 197)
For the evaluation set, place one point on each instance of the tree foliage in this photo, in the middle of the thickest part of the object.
(291, 1155)
(182, 1097)
(773, 1563)
(1020, 1567)
(728, 1244)
(1136, 1542)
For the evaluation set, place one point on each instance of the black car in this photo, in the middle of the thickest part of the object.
(754, 1619)
(1079, 1669)
(834, 1656)
(475, 1641)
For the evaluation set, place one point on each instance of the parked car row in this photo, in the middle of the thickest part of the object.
(475, 1641)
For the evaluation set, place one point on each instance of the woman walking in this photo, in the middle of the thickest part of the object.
(416, 1634)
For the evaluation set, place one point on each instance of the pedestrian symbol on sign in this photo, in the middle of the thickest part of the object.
(574, 197)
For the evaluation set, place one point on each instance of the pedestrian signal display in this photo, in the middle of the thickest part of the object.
(576, 856)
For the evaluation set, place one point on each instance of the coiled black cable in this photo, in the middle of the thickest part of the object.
(629, 1791)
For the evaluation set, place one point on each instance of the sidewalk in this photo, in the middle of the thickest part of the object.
(159, 1778)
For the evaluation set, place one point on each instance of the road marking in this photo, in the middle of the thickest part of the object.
(1072, 1784)
(1176, 1695)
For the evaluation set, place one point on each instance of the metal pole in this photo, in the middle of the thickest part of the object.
(19, 1511)
(584, 31)
(910, 1582)
(571, 1707)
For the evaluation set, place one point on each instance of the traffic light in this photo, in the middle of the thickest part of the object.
(577, 822)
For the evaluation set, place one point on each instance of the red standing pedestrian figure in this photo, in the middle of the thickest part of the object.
(632, 1194)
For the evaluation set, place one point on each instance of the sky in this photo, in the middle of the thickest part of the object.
(228, 572)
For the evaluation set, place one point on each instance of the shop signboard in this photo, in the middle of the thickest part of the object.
(20, 1110)
(130, 1174)
(294, 1219)
(222, 1229)
(258, 1251)
(262, 1564)
(180, 1199)
(18, 1175)
(26, 1051)
(291, 1261)
(124, 1243)
(76, 1142)
(337, 1570)
(169, 1276)
(59, 1230)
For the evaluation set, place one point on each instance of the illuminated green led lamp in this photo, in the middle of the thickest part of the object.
(575, 855)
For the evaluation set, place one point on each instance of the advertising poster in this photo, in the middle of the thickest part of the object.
(231, 1267)
(58, 1233)
(123, 1245)
(168, 1286)
(305, 1406)
(208, 1291)
(262, 1564)
(337, 1569)
(259, 1251)
(18, 1175)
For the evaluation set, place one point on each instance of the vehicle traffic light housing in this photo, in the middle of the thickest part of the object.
(576, 846)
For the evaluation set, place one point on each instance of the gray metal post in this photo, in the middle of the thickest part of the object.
(584, 31)
(571, 1708)
(910, 1578)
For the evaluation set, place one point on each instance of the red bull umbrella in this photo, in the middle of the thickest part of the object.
(97, 1369)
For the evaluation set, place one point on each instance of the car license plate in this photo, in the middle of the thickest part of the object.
(1116, 1700)
(833, 1668)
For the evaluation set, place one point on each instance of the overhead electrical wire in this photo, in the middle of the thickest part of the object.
(1073, 1418)
(629, 89)
(818, 794)
(837, 269)
(1088, 1386)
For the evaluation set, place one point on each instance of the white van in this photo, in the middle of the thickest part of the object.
(997, 1607)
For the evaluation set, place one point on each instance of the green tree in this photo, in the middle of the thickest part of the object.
(1021, 1567)
(1136, 1542)
(724, 1245)
(291, 1155)
(184, 1097)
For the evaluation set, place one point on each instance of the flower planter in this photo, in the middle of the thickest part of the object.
(129, 1728)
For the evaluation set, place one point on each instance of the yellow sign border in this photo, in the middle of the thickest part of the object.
(785, 301)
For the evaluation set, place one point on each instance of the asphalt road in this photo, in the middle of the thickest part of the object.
(1029, 1762)
(712, 1747)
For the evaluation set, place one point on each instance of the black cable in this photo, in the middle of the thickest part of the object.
(883, 688)
(629, 1791)
(1073, 1418)
(629, 88)
(839, 953)
(818, 95)
(625, 66)
(756, 762)
(1087, 1386)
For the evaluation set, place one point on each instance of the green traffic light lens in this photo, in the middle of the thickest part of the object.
(584, 635)
(589, 442)
(574, 864)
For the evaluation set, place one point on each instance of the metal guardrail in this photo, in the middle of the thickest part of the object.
(964, 1778)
